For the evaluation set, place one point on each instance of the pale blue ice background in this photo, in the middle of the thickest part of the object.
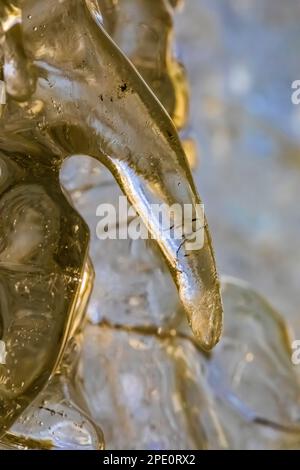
(242, 56)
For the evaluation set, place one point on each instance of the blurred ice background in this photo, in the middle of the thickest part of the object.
(242, 57)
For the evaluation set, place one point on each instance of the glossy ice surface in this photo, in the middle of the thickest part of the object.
(71, 90)
(145, 379)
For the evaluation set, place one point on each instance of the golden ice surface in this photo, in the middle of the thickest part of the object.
(70, 90)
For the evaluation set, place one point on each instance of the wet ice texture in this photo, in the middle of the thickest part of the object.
(161, 392)
(149, 391)
(147, 383)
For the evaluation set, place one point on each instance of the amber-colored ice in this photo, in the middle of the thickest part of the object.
(69, 89)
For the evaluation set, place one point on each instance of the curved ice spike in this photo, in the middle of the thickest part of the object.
(94, 102)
